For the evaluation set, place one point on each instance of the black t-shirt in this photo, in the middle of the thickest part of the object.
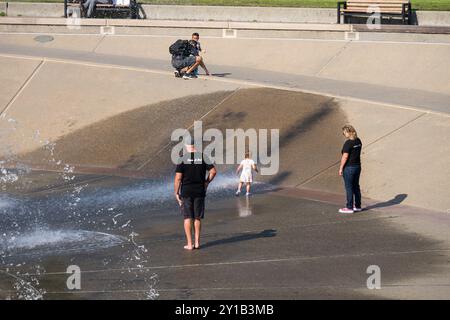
(194, 175)
(353, 148)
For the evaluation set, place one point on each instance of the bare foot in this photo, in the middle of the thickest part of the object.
(188, 247)
(197, 246)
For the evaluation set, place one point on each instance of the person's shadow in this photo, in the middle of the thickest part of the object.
(221, 75)
(243, 237)
(395, 201)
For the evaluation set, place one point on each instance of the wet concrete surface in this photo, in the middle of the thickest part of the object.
(119, 223)
(126, 236)
(138, 142)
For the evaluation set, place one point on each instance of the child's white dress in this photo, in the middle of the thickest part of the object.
(247, 169)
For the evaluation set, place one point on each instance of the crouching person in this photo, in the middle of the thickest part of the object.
(184, 60)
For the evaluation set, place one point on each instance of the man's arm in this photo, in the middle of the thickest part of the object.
(200, 49)
(211, 176)
(177, 186)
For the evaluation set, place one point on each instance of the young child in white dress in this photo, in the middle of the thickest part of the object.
(247, 165)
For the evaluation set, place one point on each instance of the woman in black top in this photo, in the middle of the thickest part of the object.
(350, 169)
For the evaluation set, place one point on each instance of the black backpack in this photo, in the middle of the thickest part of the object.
(180, 48)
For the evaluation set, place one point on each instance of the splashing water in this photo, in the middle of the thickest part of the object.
(61, 241)
(5, 202)
(157, 193)
(26, 288)
(58, 223)
(7, 176)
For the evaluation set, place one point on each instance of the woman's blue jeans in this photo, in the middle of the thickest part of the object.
(351, 181)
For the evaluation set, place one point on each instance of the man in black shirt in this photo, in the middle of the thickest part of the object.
(190, 190)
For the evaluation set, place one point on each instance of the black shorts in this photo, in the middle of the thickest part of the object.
(180, 62)
(193, 207)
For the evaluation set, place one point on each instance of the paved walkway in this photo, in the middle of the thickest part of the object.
(408, 98)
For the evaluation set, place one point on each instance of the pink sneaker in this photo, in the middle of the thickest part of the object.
(357, 209)
(345, 210)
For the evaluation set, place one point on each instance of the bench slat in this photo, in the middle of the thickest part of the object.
(372, 6)
(396, 5)
(378, 1)
(381, 8)
(110, 6)
(378, 4)
(361, 11)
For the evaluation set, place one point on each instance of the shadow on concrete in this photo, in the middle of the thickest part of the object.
(128, 139)
(271, 190)
(221, 75)
(268, 233)
(139, 139)
(235, 117)
(307, 123)
(279, 177)
(397, 20)
(393, 202)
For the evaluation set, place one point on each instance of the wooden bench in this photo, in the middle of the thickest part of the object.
(131, 10)
(391, 8)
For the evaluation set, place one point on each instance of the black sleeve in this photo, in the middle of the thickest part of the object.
(180, 168)
(347, 147)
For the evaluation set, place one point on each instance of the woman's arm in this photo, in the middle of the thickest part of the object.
(343, 162)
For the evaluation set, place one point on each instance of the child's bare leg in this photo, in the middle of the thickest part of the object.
(240, 187)
(248, 187)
